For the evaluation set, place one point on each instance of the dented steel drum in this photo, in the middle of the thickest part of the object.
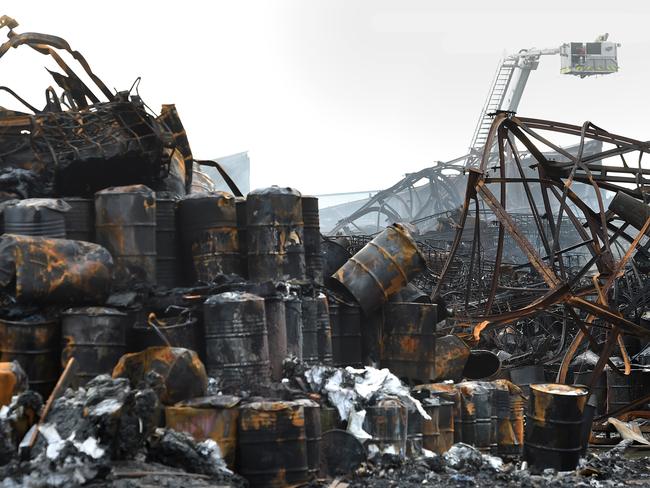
(272, 446)
(409, 341)
(276, 325)
(236, 339)
(313, 258)
(56, 271)
(95, 337)
(213, 417)
(387, 423)
(324, 330)
(313, 435)
(451, 357)
(37, 217)
(293, 321)
(476, 415)
(168, 264)
(125, 223)
(309, 330)
(80, 219)
(209, 237)
(346, 334)
(275, 235)
(449, 414)
(553, 435)
(381, 268)
(240, 205)
(35, 343)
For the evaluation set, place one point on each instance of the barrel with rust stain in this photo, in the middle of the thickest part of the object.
(554, 426)
(409, 341)
(37, 217)
(447, 398)
(293, 321)
(125, 224)
(346, 334)
(275, 235)
(324, 330)
(272, 447)
(309, 330)
(35, 343)
(80, 219)
(387, 423)
(168, 264)
(476, 415)
(313, 258)
(276, 325)
(95, 337)
(236, 339)
(451, 357)
(381, 268)
(313, 434)
(209, 236)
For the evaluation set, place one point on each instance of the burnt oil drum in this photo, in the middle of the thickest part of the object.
(38, 217)
(168, 264)
(346, 334)
(276, 326)
(313, 435)
(125, 224)
(179, 330)
(476, 415)
(387, 423)
(598, 391)
(240, 205)
(35, 343)
(324, 330)
(272, 446)
(209, 236)
(275, 234)
(309, 330)
(553, 432)
(313, 258)
(236, 339)
(95, 337)
(80, 219)
(293, 321)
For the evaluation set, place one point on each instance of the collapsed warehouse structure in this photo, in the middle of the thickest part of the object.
(151, 334)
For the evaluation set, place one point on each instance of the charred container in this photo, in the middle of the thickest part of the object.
(35, 343)
(275, 234)
(313, 258)
(209, 236)
(236, 339)
(449, 412)
(524, 376)
(276, 325)
(599, 390)
(125, 224)
(272, 447)
(168, 269)
(309, 330)
(553, 437)
(313, 435)
(240, 204)
(381, 268)
(80, 219)
(346, 334)
(95, 337)
(414, 433)
(409, 341)
(451, 357)
(179, 330)
(623, 390)
(387, 423)
(324, 330)
(36, 217)
(293, 321)
(476, 415)
(333, 255)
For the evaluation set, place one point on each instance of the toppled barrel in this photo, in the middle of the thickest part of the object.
(409, 341)
(324, 330)
(309, 330)
(381, 268)
(37, 217)
(80, 219)
(236, 339)
(272, 450)
(553, 436)
(387, 423)
(481, 364)
(631, 210)
(125, 223)
(168, 269)
(275, 235)
(313, 258)
(293, 321)
(35, 343)
(346, 334)
(209, 237)
(333, 255)
(451, 357)
(95, 337)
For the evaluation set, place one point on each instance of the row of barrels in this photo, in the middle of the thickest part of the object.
(272, 235)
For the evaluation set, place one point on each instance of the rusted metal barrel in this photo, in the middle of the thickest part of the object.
(240, 205)
(293, 320)
(38, 217)
(80, 219)
(13, 380)
(387, 423)
(329, 418)
(524, 376)
(439, 431)
(410, 294)
(272, 447)
(508, 402)
(180, 330)
(276, 325)
(448, 399)
(209, 236)
(334, 255)
(168, 264)
(450, 357)
(409, 341)
(414, 433)
(125, 224)
(372, 325)
(313, 435)
(213, 417)
(309, 330)
(95, 337)
(476, 415)
(381, 268)
(313, 258)
(324, 330)
(275, 235)
(346, 334)
(35, 343)
(631, 210)
(599, 390)
(554, 426)
(622, 390)
(236, 339)
(481, 364)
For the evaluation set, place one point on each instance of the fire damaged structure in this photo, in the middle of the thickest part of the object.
(153, 334)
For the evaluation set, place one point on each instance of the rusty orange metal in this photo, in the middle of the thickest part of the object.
(13, 380)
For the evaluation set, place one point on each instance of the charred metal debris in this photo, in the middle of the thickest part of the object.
(153, 335)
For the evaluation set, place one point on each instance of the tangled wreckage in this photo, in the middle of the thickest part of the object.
(150, 334)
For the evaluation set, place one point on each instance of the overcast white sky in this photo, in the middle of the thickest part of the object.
(339, 95)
